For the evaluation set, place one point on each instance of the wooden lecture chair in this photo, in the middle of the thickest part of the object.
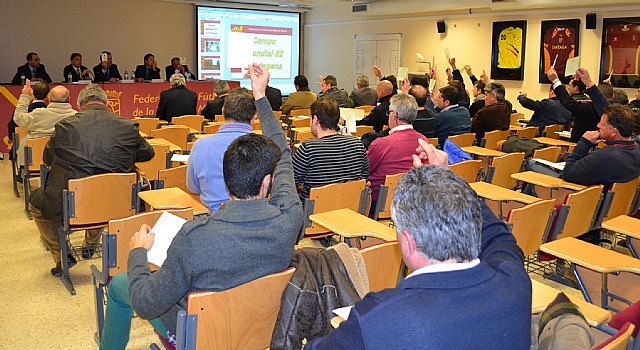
(513, 120)
(362, 129)
(463, 140)
(491, 139)
(383, 262)
(192, 121)
(90, 203)
(32, 171)
(242, 317)
(173, 177)
(176, 134)
(550, 131)
(147, 124)
(531, 224)
(385, 197)
(300, 112)
(550, 154)
(150, 169)
(366, 109)
(468, 170)
(528, 132)
(501, 168)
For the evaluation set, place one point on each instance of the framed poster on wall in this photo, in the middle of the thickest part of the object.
(620, 54)
(559, 41)
(507, 52)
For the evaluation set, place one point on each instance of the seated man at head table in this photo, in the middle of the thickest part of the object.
(330, 157)
(214, 107)
(392, 154)
(496, 113)
(177, 101)
(363, 95)
(302, 98)
(176, 67)
(93, 141)
(205, 171)
(32, 70)
(149, 70)
(251, 236)
(106, 71)
(40, 122)
(466, 267)
(76, 69)
(547, 111)
(452, 119)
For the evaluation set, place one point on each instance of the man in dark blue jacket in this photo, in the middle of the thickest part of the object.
(468, 289)
(547, 111)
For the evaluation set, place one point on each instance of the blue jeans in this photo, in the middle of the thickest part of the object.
(117, 322)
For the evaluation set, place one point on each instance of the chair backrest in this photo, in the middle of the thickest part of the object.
(303, 136)
(36, 149)
(100, 198)
(212, 128)
(624, 194)
(467, 169)
(618, 341)
(242, 317)
(126, 227)
(366, 109)
(551, 153)
(463, 140)
(151, 167)
(277, 114)
(299, 112)
(550, 130)
(433, 141)
(583, 206)
(300, 122)
(218, 118)
(192, 121)
(515, 117)
(362, 129)
(335, 196)
(256, 125)
(147, 124)
(528, 132)
(530, 224)
(176, 134)
(491, 138)
(390, 182)
(383, 265)
(504, 166)
(174, 177)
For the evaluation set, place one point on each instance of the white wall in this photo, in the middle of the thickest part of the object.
(330, 43)
(128, 28)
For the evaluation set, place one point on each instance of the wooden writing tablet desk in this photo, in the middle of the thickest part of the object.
(546, 181)
(350, 224)
(160, 141)
(554, 142)
(482, 152)
(173, 198)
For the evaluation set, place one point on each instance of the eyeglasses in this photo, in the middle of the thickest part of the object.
(389, 112)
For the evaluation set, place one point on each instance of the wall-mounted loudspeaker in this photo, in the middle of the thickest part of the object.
(591, 21)
(441, 27)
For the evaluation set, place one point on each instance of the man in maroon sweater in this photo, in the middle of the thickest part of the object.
(392, 154)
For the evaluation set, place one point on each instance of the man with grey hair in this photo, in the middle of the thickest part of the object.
(91, 142)
(40, 121)
(177, 101)
(466, 267)
(392, 154)
(214, 107)
(364, 95)
(496, 113)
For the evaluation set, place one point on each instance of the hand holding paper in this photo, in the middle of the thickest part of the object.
(142, 239)
(165, 230)
(403, 73)
(572, 66)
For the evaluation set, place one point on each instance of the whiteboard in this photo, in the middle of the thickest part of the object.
(382, 50)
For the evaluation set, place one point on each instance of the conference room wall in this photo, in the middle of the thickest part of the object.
(129, 29)
(330, 44)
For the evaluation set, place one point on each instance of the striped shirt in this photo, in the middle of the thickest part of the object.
(330, 159)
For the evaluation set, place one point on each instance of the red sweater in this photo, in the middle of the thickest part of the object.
(391, 155)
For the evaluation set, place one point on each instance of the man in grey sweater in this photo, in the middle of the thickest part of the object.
(251, 236)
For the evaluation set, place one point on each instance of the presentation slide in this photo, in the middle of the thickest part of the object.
(230, 39)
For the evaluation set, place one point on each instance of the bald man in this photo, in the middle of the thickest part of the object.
(40, 122)
(378, 117)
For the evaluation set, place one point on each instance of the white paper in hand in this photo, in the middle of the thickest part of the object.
(432, 84)
(403, 73)
(446, 53)
(343, 312)
(572, 66)
(165, 229)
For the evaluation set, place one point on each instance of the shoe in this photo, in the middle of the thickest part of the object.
(57, 271)
(88, 251)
